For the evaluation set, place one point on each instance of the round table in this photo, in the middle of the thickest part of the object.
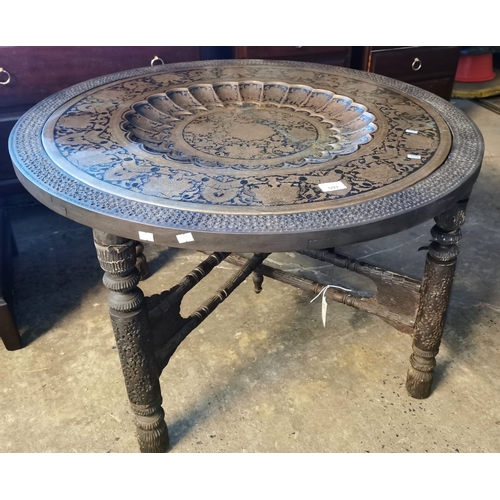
(250, 157)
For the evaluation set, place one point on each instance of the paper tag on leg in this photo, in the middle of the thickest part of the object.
(324, 306)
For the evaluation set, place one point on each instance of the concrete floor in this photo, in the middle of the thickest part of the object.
(261, 374)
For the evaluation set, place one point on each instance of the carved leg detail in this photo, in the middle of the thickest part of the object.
(129, 317)
(434, 297)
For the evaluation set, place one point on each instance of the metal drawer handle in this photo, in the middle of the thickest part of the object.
(5, 82)
(416, 64)
(155, 59)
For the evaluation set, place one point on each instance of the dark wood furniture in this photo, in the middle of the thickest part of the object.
(9, 332)
(430, 68)
(38, 72)
(254, 157)
(337, 56)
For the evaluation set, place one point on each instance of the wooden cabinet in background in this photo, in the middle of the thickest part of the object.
(38, 72)
(430, 68)
(338, 56)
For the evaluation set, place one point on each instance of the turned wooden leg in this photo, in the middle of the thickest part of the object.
(257, 279)
(434, 296)
(129, 317)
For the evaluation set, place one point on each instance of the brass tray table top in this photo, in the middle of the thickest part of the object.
(234, 157)
(246, 155)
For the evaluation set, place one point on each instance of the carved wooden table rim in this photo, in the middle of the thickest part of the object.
(232, 158)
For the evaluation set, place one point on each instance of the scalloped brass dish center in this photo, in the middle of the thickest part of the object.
(249, 125)
(250, 133)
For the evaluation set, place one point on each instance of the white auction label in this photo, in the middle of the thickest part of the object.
(184, 238)
(324, 307)
(145, 236)
(414, 157)
(332, 186)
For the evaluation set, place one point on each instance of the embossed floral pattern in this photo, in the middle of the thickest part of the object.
(242, 137)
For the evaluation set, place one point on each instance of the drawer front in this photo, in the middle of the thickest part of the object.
(415, 63)
(328, 55)
(37, 72)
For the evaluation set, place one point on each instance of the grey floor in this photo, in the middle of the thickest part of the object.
(261, 374)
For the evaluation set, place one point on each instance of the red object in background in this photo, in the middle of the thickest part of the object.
(475, 68)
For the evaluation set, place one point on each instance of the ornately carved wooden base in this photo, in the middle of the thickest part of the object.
(149, 331)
